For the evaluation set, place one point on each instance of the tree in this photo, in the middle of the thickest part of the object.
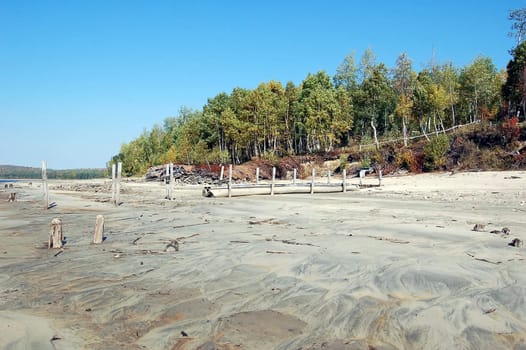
(346, 74)
(479, 89)
(514, 89)
(212, 113)
(448, 78)
(374, 102)
(366, 66)
(324, 118)
(403, 84)
(518, 28)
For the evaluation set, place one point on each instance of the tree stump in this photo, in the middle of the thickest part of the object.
(12, 197)
(56, 235)
(99, 230)
(516, 242)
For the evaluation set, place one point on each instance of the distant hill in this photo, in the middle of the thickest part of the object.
(21, 172)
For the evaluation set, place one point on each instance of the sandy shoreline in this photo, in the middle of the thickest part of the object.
(395, 267)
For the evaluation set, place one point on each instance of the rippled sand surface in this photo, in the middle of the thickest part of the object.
(395, 267)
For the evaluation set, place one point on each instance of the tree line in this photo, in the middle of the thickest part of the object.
(20, 172)
(363, 102)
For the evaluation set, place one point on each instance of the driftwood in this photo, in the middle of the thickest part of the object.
(56, 235)
(389, 239)
(173, 245)
(505, 231)
(483, 259)
(479, 228)
(12, 197)
(99, 230)
(287, 241)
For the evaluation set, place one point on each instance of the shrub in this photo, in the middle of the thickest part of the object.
(509, 130)
(435, 153)
(405, 159)
(343, 161)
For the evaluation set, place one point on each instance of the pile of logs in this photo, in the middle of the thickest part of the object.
(182, 176)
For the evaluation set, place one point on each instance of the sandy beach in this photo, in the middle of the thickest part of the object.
(390, 267)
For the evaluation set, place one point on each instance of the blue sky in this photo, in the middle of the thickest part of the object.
(78, 78)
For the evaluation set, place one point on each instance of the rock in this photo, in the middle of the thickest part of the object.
(505, 231)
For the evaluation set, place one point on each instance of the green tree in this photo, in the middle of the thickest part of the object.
(514, 89)
(479, 89)
(325, 119)
(403, 84)
(346, 74)
(374, 103)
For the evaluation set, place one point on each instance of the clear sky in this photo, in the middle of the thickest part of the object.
(80, 77)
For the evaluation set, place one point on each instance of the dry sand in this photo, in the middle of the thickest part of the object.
(395, 267)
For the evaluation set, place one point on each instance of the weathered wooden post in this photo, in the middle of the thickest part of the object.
(56, 235)
(273, 181)
(362, 174)
(44, 185)
(344, 180)
(118, 185)
(257, 176)
(294, 176)
(171, 181)
(222, 174)
(380, 177)
(12, 197)
(99, 230)
(328, 176)
(166, 179)
(229, 180)
(113, 169)
(312, 181)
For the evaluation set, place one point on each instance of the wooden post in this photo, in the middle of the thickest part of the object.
(312, 181)
(56, 235)
(166, 179)
(44, 185)
(362, 174)
(229, 180)
(118, 185)
(294, 176)
(99, 230)
(273, 181)
(257, 176)
(344, 180)
(222, 174)
(12, 197)
(113, 169)
(171, 181)
(380, 177)
(328, 176)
